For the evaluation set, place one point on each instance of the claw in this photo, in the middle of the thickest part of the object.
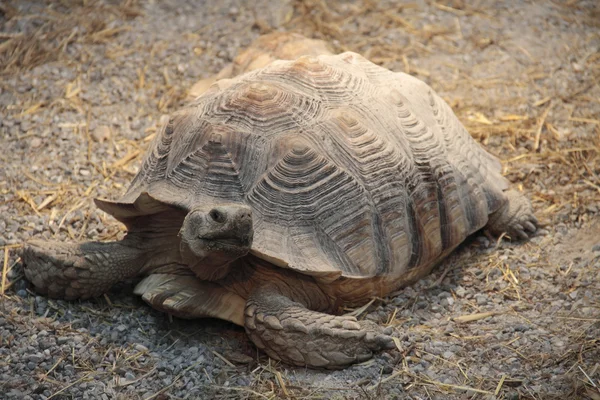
(351, 325)
(522, 235)
(529, 226)
(515, 217)
(385, 342)
(517, 227)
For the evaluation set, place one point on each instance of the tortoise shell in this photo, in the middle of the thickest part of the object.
(350, 169)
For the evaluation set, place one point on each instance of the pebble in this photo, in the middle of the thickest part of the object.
(481, 299)
(101, 133)
(573, 294)
(62, 340)
(140, 347)
(35, 143)
(35, 358)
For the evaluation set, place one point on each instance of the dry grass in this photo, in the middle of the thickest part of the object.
(56, 26)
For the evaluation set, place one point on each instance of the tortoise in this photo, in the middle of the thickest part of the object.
(279, 195)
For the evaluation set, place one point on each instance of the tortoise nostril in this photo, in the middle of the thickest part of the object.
(217, 215)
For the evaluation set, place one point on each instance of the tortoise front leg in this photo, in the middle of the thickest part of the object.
(74, 270)
(288, 331)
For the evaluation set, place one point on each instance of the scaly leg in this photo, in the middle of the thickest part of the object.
(288, 331)
(78, 271)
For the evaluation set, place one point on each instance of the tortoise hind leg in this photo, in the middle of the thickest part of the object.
(516, 217)
(78, 270)
(288, 331)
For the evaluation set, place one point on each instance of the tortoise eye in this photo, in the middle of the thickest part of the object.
(217, 215)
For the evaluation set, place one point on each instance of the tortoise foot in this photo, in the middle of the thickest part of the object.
(516, 218)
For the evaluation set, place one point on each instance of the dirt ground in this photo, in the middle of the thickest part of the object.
(84, 86)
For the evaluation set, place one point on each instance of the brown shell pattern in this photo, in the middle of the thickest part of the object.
(350, 169)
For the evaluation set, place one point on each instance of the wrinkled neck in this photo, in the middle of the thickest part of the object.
(153, 250)
(155, 238)
(213, 267)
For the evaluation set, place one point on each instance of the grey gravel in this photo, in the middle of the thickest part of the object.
(544, 330)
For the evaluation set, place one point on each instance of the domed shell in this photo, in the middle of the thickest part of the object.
(350, 169)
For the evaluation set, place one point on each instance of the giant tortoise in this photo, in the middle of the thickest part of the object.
(281, 194)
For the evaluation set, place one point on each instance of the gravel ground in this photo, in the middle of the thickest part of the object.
(84, 88)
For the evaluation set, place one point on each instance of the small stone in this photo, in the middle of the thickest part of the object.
(122, 328)
(62, 340)
(92, 232)
(238, 357)
(573, 294)
(35, 358)
(481, 299)
(447, 301)
(135, 125)
(521, 328)
(418, 368)
(101, 133)
(141, 347)
(35, 143)
(596, 248)
(84, 172)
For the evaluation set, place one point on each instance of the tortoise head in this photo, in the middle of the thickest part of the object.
(213, 236)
